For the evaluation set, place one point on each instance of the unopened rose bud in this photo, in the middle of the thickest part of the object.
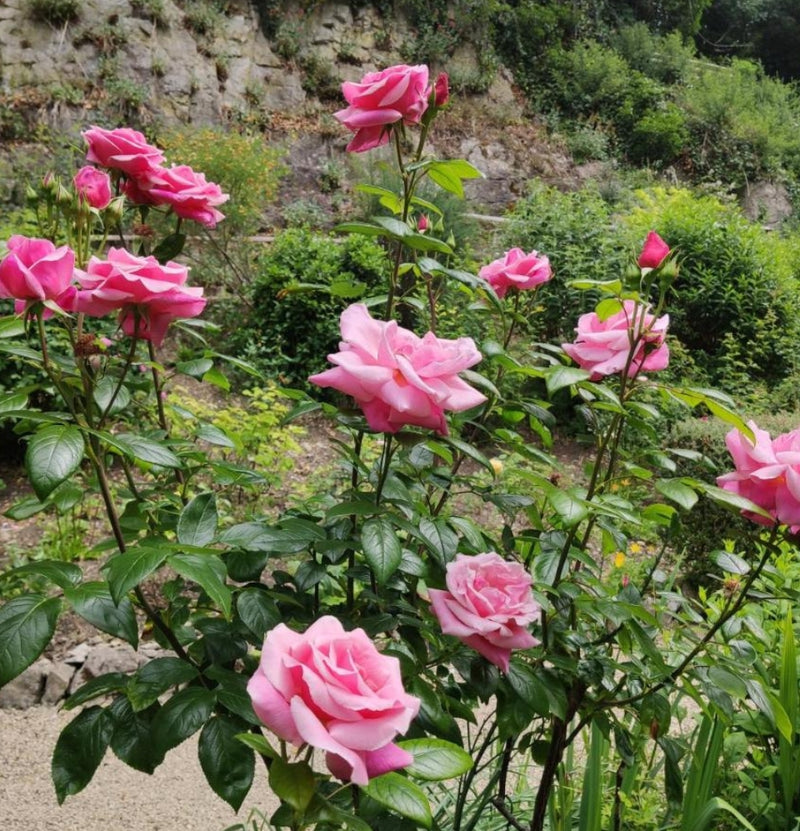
(497, 466)
(423, 223)
(115, 210)
(441, 90)
(63, 195)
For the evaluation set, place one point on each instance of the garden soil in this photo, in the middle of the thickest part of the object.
(175, 798)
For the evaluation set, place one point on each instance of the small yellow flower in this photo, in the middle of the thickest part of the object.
(619, 560)
(635, 548)
(497, 466)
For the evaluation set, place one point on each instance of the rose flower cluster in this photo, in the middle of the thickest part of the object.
(146, 294)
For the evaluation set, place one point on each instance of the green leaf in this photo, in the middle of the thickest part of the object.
(27, 624)
(402, 796)
(79, 750)
(731, 500)
(169, 247)
(102, 686)
(132, 741)
(12, 326)
(195, 368)
(727, 681)
(214, 435)
(93, 602)
(564, 376)
(109, 398)
(15, 401)
(382, 549)
(678, 492)
(571, 509)
(440, 539)
(145, 450)
(60, 573)
(197, 524)
(729, 562)
(322, 811)
(292, 783)
(259, 744)
(525, 683)
(128, 569)
(258, 611)
(232, 692)
(155, 678)
(54, 453)
(208, 571)
(184, 714)
(228, 764)
(436, 759)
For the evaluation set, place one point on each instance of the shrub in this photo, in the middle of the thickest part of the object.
(665, 59)
(55, 12)
(659, 136)
(290, 330)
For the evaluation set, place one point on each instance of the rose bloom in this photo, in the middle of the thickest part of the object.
(188, 193)
(35, 270)
(94, 186)
(767, 473)
(654, 252)
(121, 149)
(398, 378)
(399, 93)
(148, 295)
(488, 605)
(517, 270)
(333, 690)
(604, 346)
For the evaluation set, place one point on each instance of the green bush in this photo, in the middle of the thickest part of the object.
(290, 331)
(664, 59)
(55, 12)
(658, 137)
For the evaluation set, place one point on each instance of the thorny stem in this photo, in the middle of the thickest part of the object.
(351, 554)
(162, 416)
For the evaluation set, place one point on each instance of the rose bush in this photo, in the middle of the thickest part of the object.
(147, 294)
(334, 691)
(382, 99)
(398, 378)
(488, 605)
(631, 338)
(517, 270)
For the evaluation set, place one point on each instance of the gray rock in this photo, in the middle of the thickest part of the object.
(107, 658)
(57, 682)
(26, 689)
(767, 203)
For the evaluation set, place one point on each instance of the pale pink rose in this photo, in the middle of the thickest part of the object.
(35, 270)
(604, 347)
(654, 252)
(94, 186)
(334, 691)
(121, 149)
(441, 90)
(517, 270)
(488, 605)
(398, 378)
(381, 99)
(148, 295)
(188, 193)
(767, 473)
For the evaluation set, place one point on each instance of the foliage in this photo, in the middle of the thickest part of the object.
(55, 12)
(663, 58)
(302, 283)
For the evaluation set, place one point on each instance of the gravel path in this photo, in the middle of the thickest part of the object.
(175, 798)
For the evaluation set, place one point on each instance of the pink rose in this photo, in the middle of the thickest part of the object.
(333, 690)
(122, 149)
(423, 223)
(517, 270)
(488, 605)
(148, 295)
(604, 347)
(654, 252)
(188, 193)
(35, 270)
(767, 473)
(398, 378)
(399, 93)
(441, 90)
(94, 186)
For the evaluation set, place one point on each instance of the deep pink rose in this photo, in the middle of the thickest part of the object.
(517, 270)
(35, 270)
(121, 149)
(398, 378)
(399, 93)
(423, 223)
(441, 90)
(654, 252)
(188, 193)
(144, 292)
(604, 346)
(488, 605)
(767, 473)
(94, 186)
(333, 690)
